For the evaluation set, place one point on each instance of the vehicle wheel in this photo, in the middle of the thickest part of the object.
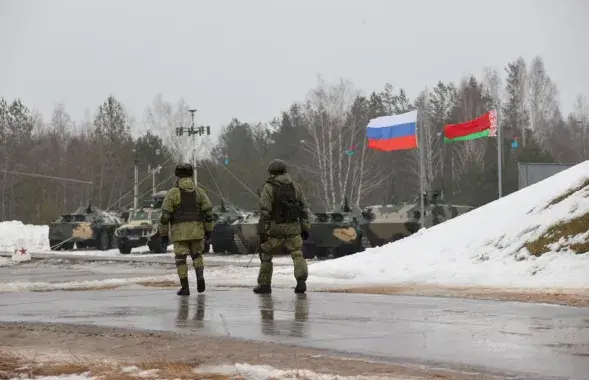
(308, 251)
(103, 241)
(233, 249)
(67, 246)
(158, 245)
(322, 253)
(113, 241)
(124, 250)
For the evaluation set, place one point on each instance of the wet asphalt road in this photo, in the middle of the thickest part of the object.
(532, 341)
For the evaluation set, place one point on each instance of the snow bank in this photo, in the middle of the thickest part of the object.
(262, 372)
(485, 247)
(15, 234)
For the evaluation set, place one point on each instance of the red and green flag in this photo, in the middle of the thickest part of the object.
(483, 126)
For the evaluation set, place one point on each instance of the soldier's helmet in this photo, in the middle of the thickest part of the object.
(184, 170)
(277, 167)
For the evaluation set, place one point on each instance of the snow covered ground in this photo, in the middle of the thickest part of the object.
(485, 247)
(15, 235)
(242, 371)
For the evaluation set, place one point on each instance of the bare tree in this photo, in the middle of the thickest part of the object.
(581, 118)
(542, 98)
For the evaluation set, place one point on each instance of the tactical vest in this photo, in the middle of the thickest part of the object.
(285, 207)
(189, 210)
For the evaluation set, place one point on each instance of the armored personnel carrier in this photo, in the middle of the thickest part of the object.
(335, 234)
(223, 236)
(246, 237)
(141, 227)
(390, 223)
(86, 227)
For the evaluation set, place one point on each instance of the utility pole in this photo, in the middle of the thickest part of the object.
(193, 132)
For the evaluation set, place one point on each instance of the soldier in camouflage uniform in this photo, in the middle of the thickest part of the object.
(284, 220)
(189, 211)
(438, 214)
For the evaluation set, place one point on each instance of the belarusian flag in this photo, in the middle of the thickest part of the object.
(483, 126)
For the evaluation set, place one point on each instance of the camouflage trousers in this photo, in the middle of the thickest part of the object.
(293, 245)
(194, 249)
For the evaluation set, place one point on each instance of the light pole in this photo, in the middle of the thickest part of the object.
(192, 132)
(153, 172)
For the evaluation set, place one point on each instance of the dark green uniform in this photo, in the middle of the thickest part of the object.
(284, 220)
(189, 212)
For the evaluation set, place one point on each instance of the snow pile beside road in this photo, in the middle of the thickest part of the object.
(15, 234)
(260, 372)
(534, 238)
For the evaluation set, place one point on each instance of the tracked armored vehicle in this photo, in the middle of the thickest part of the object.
(86, 227)
(223, 236)
(141, 227)
(335, 234)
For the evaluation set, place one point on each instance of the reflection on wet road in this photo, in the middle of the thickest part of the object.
(505, 337)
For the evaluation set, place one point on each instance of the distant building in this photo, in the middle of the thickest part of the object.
(530, 172)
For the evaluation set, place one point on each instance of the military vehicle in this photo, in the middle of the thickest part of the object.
(86, 227)
(223, 236)
(389, 223)
(246, 237)
(335, 234)
(141, 227)
(437, 211)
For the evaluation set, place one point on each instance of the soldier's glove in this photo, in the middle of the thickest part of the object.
(305, 235)
(263, 238)
(208, 235)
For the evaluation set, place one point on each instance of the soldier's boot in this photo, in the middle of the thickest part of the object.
(185, 289)
(200, 280)
(263, 289)
(301, 287)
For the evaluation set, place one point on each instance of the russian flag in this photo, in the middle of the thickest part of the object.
(394, 132)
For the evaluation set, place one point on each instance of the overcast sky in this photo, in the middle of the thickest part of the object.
(252, 59)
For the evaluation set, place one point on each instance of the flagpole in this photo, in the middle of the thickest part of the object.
(499, 154)
(421, 168)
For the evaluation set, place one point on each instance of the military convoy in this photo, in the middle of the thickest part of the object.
(141, 227)
(86, 227)
(343, 231)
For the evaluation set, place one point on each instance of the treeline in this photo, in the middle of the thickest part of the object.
(322, 138)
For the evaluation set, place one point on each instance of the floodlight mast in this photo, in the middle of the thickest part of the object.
(193, 132)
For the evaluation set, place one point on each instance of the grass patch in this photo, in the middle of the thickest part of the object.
(568, 193)
(14, 366)
(570, 228)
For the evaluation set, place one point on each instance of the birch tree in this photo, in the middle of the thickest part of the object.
(542, 98)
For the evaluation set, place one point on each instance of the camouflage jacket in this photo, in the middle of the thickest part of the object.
(186, 230)
(267, 199)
